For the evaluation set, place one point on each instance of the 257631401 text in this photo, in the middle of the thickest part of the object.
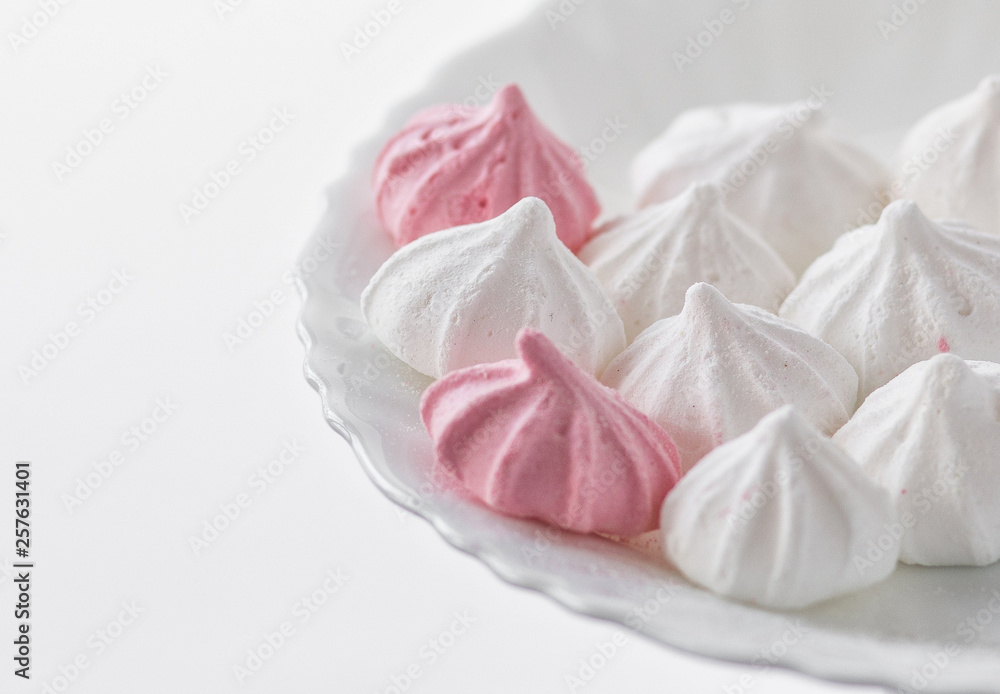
(22, 582)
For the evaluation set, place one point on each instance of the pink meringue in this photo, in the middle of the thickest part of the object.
(537, 437)
(453, 165)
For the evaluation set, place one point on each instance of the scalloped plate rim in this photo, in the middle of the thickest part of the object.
(530, 579)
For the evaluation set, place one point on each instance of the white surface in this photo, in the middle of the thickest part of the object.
(163, 336)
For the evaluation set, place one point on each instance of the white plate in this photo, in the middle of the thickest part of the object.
(615, 60)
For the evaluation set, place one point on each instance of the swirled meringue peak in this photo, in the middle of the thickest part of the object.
(646, 261)
(949, 162)
(453, 165)
(536, 437)
(780, 517)
(458, 297)
(784, 171)
(931, 438)
(710, 373)
(902, 290)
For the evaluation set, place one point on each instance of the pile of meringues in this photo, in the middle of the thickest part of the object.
(794, 405)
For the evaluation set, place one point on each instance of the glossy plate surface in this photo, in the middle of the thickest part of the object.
(609, 76)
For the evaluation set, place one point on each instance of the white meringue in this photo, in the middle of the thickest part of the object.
(780, 517)
(458, 297)
(710, 373)
(901, 291)
(646, 261)
(784, 171)
(931, 438)
(950, 160)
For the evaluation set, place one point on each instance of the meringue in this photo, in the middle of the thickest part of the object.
(458, 297)
(453, 165)
(784, 171)
(950, 160)
(931, 437)
(536, 437)
(780, 517)
(710, 373)
(646, 261)
(890, 295)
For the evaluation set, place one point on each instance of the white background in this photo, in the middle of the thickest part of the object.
(163, 336)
